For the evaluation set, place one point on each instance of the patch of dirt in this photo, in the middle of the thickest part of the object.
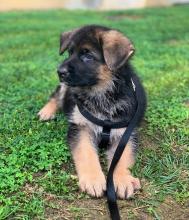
(123, 16)
(30, 189)
(97, 209)
(186, 103)
(146, 140)
(92, 209)
(170, 210)
(83, 208)
(172, 42)
(175, 42)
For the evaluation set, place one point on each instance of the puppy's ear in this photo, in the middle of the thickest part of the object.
(116, 49)
(64, 41)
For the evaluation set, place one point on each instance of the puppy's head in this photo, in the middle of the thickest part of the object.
(95, 54)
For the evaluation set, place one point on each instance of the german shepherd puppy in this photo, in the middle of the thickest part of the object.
(98, 74)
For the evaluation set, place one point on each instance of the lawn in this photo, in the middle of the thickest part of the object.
(37, 177)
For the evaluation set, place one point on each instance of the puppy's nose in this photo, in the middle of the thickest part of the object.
(63, 71)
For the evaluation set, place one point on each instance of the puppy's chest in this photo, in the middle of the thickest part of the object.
(77, 118)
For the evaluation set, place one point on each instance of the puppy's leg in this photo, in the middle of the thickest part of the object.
(55, 102)
(91, 177)
(125, 184)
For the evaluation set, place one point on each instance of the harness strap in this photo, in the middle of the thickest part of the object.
(99, 122)
(105, 137)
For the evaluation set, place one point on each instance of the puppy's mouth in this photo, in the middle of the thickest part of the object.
(74, 80)
(78, 82)
(66, 79)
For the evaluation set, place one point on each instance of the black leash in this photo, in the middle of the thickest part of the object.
(105, 136)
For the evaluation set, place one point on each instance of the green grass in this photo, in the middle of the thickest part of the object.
(35, 162)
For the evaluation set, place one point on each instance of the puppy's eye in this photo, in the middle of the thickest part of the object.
(86, 55)
(84, 51)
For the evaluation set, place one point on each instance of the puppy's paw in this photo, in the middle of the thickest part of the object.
(125, 185)
(48, 111)
(93, 183)
(46, 114)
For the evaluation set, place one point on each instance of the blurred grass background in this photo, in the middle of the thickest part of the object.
(35, 162)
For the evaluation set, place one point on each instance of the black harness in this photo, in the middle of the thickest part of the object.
(105, 136)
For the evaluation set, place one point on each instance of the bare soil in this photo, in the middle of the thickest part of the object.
(97, 209)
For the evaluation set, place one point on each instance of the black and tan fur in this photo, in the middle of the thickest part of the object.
(98, 74)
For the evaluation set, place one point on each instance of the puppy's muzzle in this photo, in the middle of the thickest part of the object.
(62, 73)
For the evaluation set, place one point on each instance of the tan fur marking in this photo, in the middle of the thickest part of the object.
(49, 110)
(87, 46)
(125, 183)
(91, 177)
(127, 159)
(117, 48)
(105, 79)
(104, 73)
(114, 37)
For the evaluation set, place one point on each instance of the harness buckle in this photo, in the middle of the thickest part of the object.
(105, 137)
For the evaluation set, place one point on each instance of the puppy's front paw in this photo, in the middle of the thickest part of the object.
(125, 185)
(93, 183)
(48, 111)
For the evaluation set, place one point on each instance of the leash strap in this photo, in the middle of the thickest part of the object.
(107, 125)
(111, 194)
